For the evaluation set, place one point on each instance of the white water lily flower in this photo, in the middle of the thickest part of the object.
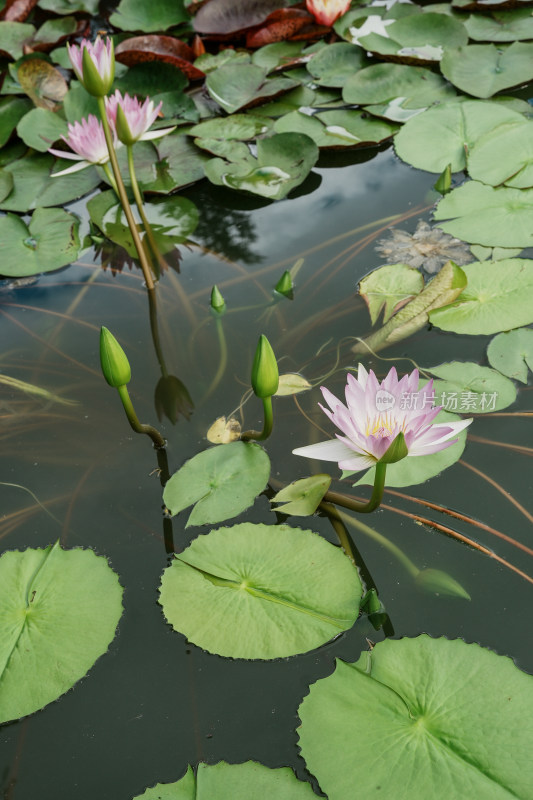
(87, 140)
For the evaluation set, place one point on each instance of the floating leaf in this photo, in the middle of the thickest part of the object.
(17, 10)
(512, 353)
(343, 128)
(390, 288)
(70, 6)
(221, 482)
(413, 470)
(40, 127)
(6, 184)
(60, 610)
(42, 82)
(277, 54)
(49, 242)
(484, 215)
(158, 15)
(302, 498)
(445, 713)
(498, 297)
(56, 30)
(471, 389)
(232, 782)
(335, 64)
(224, 431)
(34, 187)
(260, 591)
(505, 155)
(226, 16)
(239, 127)
(166, 164)
(417, 36)
(234, 86)
(283, 162)
(285, 23)
(501, 26)
(484, 69)
(155, 50)
(292, 383)
(12, 38)
(482, 253)
(12, 109)
(444, 134)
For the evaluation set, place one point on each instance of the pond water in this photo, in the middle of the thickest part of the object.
(155, 702)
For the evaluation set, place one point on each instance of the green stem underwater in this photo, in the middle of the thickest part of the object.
(260, 436)
(137, 426)
(123, 196)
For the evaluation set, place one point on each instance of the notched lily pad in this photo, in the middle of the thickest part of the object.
(221, 482)
(234, 86)
(470, 388)
(60, 610)
(420, 38)
(512, 353)
(389, 288)
(49, 242)
(260, 591)
(336, 129)
(484, 69)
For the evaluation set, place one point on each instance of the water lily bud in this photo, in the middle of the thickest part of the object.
(444, 181)
(98, 69)
(265, 375)
(439, 582)
(113, 360)
(284, 285)
(396, 451)
(217, 301)
(123, 129)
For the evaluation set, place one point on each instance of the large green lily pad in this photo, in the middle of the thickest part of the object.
(444, 134)
(59, 612)
(334, 64)
(164, 165)
(484, 69)
(40, 127)
(343, 128)
(413, 470)
(12, 37)
(512, 353)
(233, 86)
(494, 217)
(260, 591)
(232, 782)
(12, 109)
(48, 242)
(418, 36)
(504, 155)
(283, 162)
(157, 15)
(470, 388)
(427, 718)
(497, 297)
(501, 26)
(220, 482)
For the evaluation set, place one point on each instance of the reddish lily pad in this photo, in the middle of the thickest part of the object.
(17, 10)
(282, 25)
(168, 49)
(227, 16)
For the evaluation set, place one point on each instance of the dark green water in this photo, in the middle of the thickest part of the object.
(154, 703)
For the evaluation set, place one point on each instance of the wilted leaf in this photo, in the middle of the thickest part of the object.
(17, 10)
(224, 431)
(42, 82)
(292, 383)
(168, 49)
(227, 16)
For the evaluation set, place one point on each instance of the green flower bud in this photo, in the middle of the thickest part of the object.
(98, 82)
(444, 180)
(217, 300)
(113, 360)
(284, 285)
(123, 129)
(397, 450)
(265, 375)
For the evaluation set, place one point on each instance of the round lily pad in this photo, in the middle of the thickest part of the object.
(389, 288)
(504, 155)
(40, 127)
(343, 128)
(60, 610)
(498, 297)
(157, 15)
(220, 482)
(512, 353)
(484, 69)
(380, 83)
(335, 64)
(417, 36)
(49, 242)
(260, 591)
(232, 782)
(470, 388)
(501, 26)
(425, 718)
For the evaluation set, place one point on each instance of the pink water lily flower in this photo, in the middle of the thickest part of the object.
(139, 117)
(327, 11)
(86, 139)
(375, 413)
(98, 73)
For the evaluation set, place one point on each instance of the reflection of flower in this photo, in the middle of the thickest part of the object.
(429, 248)
(172, 399)
(327, 11)
(374, 415)
(87, 140)
(137, 116)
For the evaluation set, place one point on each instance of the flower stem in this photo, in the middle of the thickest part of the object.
(354, 505)
(223, 361)
(140, 206)
(268, 423)
(123, 196)
(137, 426)
(111, 178)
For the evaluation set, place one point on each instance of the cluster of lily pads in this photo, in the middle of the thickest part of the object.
(254, 119)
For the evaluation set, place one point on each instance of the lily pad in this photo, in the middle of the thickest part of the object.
(504, 155)
(157, 15)
(12, 37)
(501, 26)
(234, 86)
(70, 6)
(418, 36)
(12, 109)
(389, 288)
(277, 54)
(53, 601)
(260, 591)
(164, 165)
(484, 215)
(471, 389)
(232, 782)
(413, 470)
(226, 16)
(346, 128)
(239, 127)
(33, 185)
(444, 713)
(444, 134)
(40, 127)
(49, 242)
(302, 498)
(6, 184)
(335, 64)
(484, 69)
(283, 162)
(221, 482)
(512, 353)
(498, 297)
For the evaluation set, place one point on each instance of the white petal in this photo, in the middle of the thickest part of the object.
(157, 133)
(74, 168)
(362, 375)
(330, 450)
(66, 154)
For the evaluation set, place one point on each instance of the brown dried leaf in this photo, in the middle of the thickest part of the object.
(224, 431)
(17, 10)
(153, 47)
(279, 26)
(42, 82)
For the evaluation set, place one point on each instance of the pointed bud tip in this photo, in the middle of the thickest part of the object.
(397, 450)
(217, 300)
(265, 374)
(113, 360)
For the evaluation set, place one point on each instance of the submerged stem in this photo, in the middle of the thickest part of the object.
(137, 426)
(260, 436)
